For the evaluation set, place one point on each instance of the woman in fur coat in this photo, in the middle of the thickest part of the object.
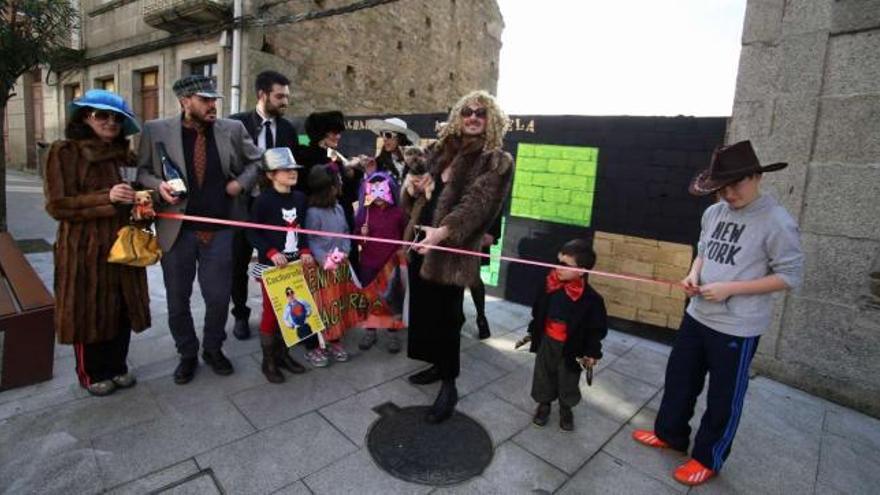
(469, 176)
(97, 304)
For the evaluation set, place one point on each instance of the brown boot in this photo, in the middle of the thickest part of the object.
(283, 358)
(270, 363)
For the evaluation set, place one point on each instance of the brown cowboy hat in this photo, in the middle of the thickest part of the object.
(729, 164)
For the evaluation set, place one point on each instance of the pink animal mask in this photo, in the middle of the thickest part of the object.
(378, 190)
(334, 258)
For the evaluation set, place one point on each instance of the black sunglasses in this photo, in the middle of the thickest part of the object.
(104, 115)
(480, 113)
(388, 135)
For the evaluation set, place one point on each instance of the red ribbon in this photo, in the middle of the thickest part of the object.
(407, 244)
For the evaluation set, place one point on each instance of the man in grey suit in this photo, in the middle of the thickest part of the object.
(218, 161)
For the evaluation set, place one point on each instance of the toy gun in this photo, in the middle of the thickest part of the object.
(588, 372)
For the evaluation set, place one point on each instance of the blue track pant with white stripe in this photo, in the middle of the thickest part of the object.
(699, 350)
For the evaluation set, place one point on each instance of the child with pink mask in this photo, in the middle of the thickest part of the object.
(379, 217)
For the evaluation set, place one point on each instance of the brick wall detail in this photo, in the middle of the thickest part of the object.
(654, 304)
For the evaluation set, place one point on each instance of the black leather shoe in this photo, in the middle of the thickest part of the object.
(217, 361)
(444, 405)
(566, 418)
(542, 414)
(483, 326)
(186, 370)
(242, 329)
(425, 377)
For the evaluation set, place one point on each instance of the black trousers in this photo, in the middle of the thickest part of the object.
(102, 361)
(242, 252)
(552, 379)
(697, 350)
(435, 320)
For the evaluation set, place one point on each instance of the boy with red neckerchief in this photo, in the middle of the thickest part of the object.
(568, 324)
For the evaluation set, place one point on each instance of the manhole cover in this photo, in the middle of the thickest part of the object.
(407, 447)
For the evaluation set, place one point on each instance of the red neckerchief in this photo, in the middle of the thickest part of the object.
(573, 288)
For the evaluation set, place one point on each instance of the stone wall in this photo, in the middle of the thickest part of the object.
(411, 56)
(808, 93)
(404, 57)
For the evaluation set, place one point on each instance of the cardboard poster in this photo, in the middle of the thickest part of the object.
(295, 308)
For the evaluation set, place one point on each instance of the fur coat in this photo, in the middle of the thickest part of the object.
(467, 206)
(90, 293)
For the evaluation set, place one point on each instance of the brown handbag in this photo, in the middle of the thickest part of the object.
(135, 247)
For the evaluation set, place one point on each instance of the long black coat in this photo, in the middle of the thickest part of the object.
(586, 326)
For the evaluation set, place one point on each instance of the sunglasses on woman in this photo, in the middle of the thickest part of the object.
(479, 113)
(105, 115)
(388, 135)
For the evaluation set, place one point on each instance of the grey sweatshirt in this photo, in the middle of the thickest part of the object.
(327, 220)
(740, 245)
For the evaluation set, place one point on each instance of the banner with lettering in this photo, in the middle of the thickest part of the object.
(336, 301)
(343, 303)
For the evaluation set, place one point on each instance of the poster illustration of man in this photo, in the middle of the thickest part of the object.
(293, 302)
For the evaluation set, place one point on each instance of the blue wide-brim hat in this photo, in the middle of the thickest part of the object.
(101, 99)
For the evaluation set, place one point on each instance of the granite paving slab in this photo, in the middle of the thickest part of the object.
(154, 482)
(605, 474)
(82, 419)
(848, 466)
(358, 473)
(354, 416)
(475, 374)
(369, 368)
(515, 388)
(656, 464)
(615, 395)
(199, 485)
(513, 470)
(269, 404)
(501, 419)
(277, 456)
(568, 450)
(643, 363)
(208, 386)
(56, 463)
(175, 436)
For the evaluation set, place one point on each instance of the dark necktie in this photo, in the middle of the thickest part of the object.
(270, 140)
(200, 156)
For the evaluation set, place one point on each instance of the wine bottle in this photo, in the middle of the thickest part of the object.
(171, 173)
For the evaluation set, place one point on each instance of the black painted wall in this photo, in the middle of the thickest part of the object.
(645, 165)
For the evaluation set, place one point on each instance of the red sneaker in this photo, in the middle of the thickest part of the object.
(692, 473)
(647, 437)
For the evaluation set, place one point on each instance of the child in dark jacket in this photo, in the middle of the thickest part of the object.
(567, 328)
(277, 205)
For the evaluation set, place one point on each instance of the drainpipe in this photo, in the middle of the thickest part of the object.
(235, 100)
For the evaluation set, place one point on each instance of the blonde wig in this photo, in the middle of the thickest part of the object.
(496, 120)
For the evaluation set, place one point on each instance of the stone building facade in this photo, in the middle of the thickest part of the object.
(808, 93)
(410, 56)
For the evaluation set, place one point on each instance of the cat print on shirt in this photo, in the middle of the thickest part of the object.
(291, 243)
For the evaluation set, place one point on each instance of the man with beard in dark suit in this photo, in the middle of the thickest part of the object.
(269, 129)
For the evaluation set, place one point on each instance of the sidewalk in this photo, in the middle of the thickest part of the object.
(240, 434)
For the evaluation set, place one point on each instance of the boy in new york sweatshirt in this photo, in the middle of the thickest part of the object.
(749, 247)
